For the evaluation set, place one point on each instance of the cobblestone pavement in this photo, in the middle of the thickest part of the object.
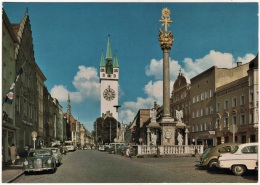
(92, 166)
(10, 173)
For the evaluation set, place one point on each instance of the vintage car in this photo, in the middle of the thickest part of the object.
(210, 157)
(39, 160)
(57, 154)
(243, 158)
(113, 147)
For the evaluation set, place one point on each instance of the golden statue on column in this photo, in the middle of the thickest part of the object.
(165, 37)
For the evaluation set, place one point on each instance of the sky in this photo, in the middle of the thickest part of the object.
(69, 38)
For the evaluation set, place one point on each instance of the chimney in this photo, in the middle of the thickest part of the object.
(239, 64)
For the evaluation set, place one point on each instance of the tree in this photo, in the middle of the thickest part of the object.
(105, 130)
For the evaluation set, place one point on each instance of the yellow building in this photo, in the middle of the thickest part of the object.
(221, 97)
(237, 107)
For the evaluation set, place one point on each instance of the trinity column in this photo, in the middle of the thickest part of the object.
(167, 123)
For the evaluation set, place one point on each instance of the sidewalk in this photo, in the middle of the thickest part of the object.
(11, 172)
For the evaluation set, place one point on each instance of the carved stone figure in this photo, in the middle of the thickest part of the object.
(153, 114)
(154, 138)
(179, 115)
(180, 138)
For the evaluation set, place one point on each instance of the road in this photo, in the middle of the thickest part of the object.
(92, 166)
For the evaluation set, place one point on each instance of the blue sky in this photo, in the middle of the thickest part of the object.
(69, 38)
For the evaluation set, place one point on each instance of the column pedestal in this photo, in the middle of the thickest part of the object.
(168, 126)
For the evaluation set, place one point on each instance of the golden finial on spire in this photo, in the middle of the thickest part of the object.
(166, 18)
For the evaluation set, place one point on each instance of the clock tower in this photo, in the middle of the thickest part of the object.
(109, 75)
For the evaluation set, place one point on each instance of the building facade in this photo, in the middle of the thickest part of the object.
(26, 103)
(40, 85)
(237, 107)
(180, 99)
(9, 42)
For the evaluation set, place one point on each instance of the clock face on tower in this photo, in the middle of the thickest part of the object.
(109, 94)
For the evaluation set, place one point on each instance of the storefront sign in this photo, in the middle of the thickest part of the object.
(212, 132)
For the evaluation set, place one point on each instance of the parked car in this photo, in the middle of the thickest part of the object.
(206, 151)
(57, 154)
(210, 157)
(39, 160)
(121, 149)
(101, 147)
(243, 158)
(113, 147)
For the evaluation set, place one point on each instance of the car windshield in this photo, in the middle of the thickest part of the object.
(39, 153)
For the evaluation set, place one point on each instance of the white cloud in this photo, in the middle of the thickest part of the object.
(247, 58)
(156, 69)
(86, 83)
(60, 92)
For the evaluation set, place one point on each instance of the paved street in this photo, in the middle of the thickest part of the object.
(92, 166)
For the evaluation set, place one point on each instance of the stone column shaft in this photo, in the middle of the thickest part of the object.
(166, 84)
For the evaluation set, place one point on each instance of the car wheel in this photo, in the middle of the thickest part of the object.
(238, 169)
(213, 163)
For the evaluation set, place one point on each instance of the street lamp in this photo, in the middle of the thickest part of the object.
(117, 106)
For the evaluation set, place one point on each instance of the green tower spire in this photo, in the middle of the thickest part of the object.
(102, 62)
(109, 53)
(115, 61)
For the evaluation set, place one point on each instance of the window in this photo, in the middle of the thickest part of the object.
(234, 120)
(211, 110)
(226, 122)
(225, 104)
(210, 126)
(202, 96)
(251, 97)
(18, 104)
(198, 98)
(251, 118)
(198, 113)
(217, 123)
(242, 119)
(234, 102)
(210, 93)
(206, 111)
(206, 94)
(250, 150)
(201, 112)
(242, 100)
(218, 106)
(193, 99)
(225, 149)
(193, 115)
(205, 126)
(201, 127)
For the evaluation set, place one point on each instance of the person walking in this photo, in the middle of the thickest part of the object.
(13, 153)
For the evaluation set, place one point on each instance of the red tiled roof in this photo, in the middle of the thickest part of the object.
(72, 119)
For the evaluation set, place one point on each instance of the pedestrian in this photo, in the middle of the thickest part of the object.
(13, 153)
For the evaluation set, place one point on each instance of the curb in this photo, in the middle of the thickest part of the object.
(14, 178)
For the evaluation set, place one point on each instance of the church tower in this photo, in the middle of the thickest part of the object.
(109, 75)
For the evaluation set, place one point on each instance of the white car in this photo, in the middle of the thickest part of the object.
(244, 157)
